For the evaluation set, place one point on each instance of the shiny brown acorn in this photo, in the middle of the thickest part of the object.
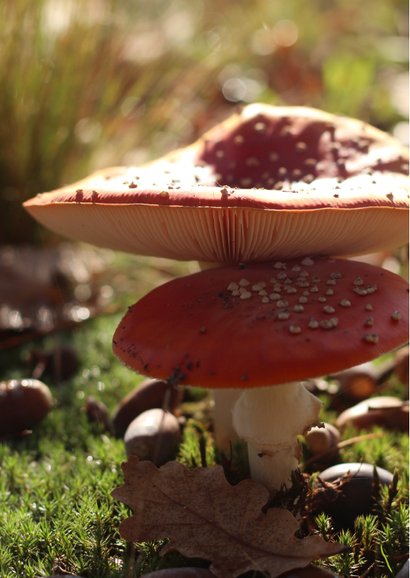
(401, 366)
(384, 411)
(356, 490)
(323, 440)
(23, 404)
(151, 393)
(153, 435)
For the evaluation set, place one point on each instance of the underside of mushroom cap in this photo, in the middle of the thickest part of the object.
(265, 324)
(268, 183)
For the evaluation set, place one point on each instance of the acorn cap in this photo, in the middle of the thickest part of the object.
(265, 324)
(270, 182)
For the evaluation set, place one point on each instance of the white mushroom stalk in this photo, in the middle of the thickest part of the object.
(269, 419)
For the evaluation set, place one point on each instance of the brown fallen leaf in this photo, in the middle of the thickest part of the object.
(203, 516)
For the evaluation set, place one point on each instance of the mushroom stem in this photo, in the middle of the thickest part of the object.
(269, 419)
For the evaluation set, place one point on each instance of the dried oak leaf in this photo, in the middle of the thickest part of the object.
(203, 516)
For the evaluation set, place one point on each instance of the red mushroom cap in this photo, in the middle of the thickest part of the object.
(272, 146)
(271, 182)
(265, 324)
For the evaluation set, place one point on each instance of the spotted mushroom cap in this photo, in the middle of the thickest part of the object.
(270, 182)
(265, 323)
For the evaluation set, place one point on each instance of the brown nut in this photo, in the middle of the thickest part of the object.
(322, 439)
(386, 411)
(151, 393)
(154, 435)
(358, 382)
(97, 412)
(401, 366)
(356, 485)
(23, 404)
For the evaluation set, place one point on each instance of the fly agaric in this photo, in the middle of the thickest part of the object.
(264, 327)
(270, 182)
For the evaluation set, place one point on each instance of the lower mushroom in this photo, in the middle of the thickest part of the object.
(264, 328)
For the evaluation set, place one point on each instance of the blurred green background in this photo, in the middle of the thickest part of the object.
(91, 83)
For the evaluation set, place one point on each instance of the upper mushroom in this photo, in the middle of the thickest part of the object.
(270, 182)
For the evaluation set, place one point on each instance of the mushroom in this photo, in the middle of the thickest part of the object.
(264, 327)
(268, 183)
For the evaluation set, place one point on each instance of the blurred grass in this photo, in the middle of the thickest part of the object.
(92, 83)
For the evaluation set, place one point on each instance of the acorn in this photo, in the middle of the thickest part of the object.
(385, 411)
(153, 435)
(151, 393)
(323, 440)
(23, 404)
(356, 489)
(97, 412)
(357, 383)
(401, 366)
